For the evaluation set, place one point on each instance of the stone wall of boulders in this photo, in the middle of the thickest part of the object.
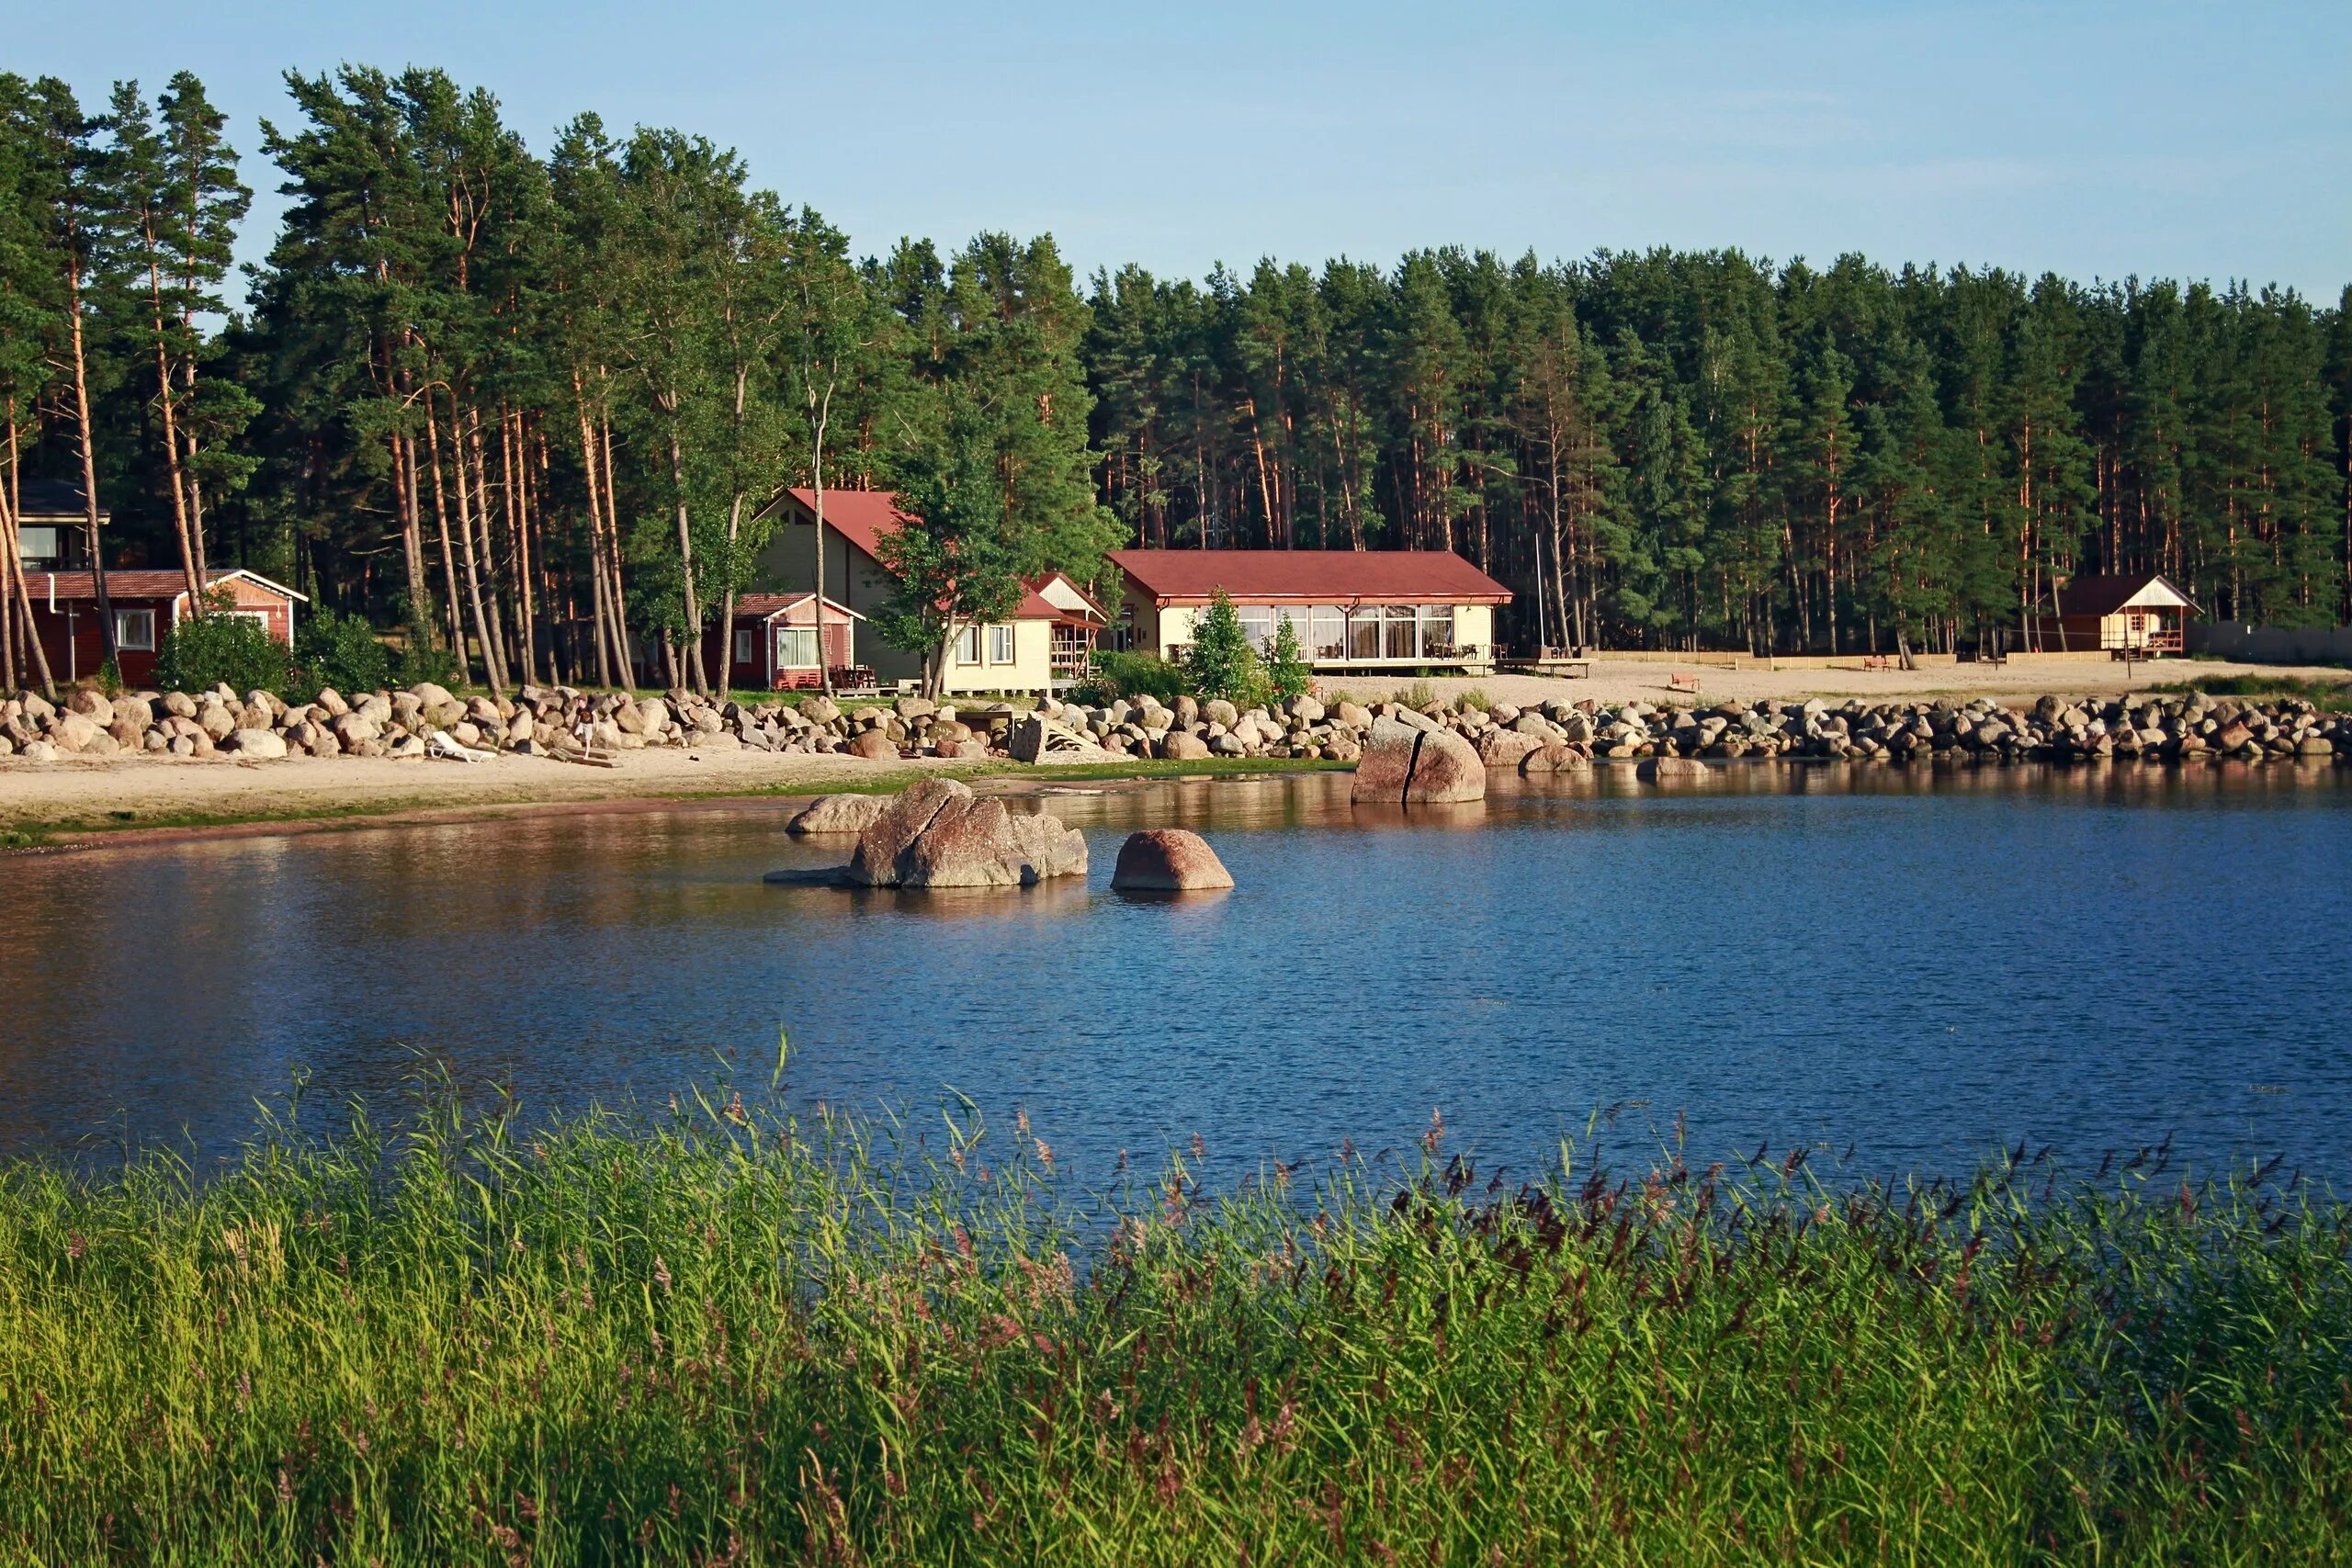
(1555, 735)
(534, 721)
(1564, 733)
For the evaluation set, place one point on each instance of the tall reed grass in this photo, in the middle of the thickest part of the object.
(716, 1334)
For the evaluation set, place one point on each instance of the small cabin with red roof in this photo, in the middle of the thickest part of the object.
(1368, 610)
(147, 604)
(780, 643)
(2136, 615)
(1048, 639)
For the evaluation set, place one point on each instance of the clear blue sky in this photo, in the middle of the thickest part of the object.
(2096, 140)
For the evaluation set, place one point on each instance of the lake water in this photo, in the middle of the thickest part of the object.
(1921, 965)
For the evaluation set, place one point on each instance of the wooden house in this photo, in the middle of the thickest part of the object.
(780, 643)
(2138, 615)
(1046, 639)
(147, 604)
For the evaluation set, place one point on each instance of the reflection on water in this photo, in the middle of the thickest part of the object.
(1921, 962)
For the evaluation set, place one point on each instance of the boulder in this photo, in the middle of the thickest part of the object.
(1506, 748)
(1446, 768)
(967, 751)
(874, 746)
(1167, 860)
(874, 862)
(257, 743)
(429, 695)
(838, 813)
(1183, 745)
(1216, 710)
(1386, 765)
(73, 731)
(1354, 716)
(937, 834)
(1558, 758)
(981, 844)
(1671, 770)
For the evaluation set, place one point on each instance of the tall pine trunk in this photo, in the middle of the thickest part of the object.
(87, 441)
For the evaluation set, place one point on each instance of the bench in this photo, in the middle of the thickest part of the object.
(1877, 661)
(1683, 681)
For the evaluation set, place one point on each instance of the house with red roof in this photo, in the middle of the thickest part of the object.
(147, 604)
(1367, 610)
(1047, 641)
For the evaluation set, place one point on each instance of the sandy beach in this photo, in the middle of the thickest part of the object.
(105, 795)
(2021, 681)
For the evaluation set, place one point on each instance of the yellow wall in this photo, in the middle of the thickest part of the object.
(1032, 668)
(1159, 629)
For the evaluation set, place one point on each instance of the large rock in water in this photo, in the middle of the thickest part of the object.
(1671, 770)
(936, 834)
(1386, 765)
(983, 845)
(838, 813)
(1167, 860)
(1447, 768)
(1558, 758)
(1408, 767)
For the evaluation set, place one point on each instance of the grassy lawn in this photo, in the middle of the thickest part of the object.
(722, 1335)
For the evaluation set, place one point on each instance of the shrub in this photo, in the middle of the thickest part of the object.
(1222, 663)
(1135, 675)
(1287, 671)
(209, 651)
(421, 662)
(342, 651)
(1420, 695)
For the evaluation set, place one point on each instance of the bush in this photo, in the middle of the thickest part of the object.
(1288, 671)
(421, 662)
(215, 649)
(342, 651)
(1222, 663)
(1135, 675)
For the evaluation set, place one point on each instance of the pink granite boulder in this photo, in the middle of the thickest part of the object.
(1167, 860)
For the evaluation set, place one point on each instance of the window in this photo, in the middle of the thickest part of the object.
(968, 646)
(1329, 638)
(796, 648)
(134, 630)
(746, 645)
(1364, 634)
(1400, 643)
(1000, 645)
(1257, 624)
(1301, 622)
(40, 548)
(1437, 629)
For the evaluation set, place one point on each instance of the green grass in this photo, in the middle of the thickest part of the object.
(2329, 696)
(717, 1335)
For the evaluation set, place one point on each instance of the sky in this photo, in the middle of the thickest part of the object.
(2096, 140)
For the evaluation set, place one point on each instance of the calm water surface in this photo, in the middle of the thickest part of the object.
(1923, 966)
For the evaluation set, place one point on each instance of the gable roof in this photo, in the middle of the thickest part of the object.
(142, 584)
(768, 607)
(1398, 577)
(1064, 599)
(861, 517)
(2106, 595)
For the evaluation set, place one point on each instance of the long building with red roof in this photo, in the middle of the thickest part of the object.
(1350, 609)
